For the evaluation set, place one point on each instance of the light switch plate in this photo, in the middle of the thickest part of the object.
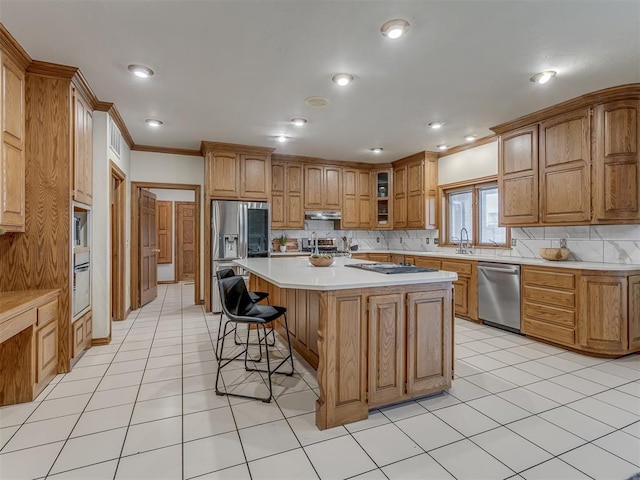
(436, 241)
(427, 240)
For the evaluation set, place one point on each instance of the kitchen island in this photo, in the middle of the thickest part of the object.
(375, 339)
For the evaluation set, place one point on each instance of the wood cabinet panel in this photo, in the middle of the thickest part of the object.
(429, 341)
(313, 183)
(46, 354)
(518, 176)
(12, 146)
(616, 162)
(379, 257)
(548, 331)
(549, 278)
(427, 263)
(386, 348)
(565, 161)
(550, 296)
(356, 198)
(223, 180)
(400, 195)
(254, 176)
(550, 314)
(634, 312)
(603, 313)
(332, 191)
(83, 149)
(461, 296)
(462, 268)
(286, 196)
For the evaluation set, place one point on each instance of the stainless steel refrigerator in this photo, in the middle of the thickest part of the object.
(238, 230)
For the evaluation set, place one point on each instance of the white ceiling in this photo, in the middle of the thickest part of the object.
(237, 71)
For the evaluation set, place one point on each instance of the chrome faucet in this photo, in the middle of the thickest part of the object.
(314, 242)
(464, 246)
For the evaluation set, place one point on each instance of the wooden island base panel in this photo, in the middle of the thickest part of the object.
(375, 339)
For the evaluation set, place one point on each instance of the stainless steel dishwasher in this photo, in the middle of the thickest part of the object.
(499, 295)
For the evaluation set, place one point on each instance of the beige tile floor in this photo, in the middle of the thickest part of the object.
(144, 407)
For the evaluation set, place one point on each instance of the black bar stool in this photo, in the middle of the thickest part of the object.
(239, 308)
(255, 297)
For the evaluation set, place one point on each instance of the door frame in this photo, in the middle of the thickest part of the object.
(117, 300)
(175, 239)
(135, 235)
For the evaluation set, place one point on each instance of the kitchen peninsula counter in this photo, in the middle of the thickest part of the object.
(375, 339)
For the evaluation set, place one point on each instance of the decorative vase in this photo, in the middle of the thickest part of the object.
(283, 248)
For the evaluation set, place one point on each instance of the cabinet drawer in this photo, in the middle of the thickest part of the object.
(546, 331)
(549, 314)
(47, 313)
(16, 324)
(458, 267)
(550, 297)
(546, 278)
(428, 263)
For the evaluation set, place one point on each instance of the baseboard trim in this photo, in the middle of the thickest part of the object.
(101, 341)
(166, 282)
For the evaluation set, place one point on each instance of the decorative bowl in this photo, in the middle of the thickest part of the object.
(561, 253)
(320, 260)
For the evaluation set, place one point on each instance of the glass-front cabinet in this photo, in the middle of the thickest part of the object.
(383, 204)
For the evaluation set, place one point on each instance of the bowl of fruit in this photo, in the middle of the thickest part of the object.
(320, 260)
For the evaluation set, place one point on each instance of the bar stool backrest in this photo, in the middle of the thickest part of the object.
(235, 298)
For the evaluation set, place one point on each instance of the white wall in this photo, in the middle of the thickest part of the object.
(477, 162)
(101, 224)
(175, 169)
(166, 271)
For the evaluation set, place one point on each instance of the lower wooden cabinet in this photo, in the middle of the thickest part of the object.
(82, 334)
(465, 288)
(379, 257)
(549, 304)
(634, 312)
(46, 340)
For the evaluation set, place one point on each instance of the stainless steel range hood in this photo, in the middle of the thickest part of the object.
(323, 215)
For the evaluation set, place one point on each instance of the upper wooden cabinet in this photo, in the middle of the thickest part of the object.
(238, 172)
(616, 162)
(357, 198)
(286, 195)
(518, 176)
(82, 149)
(383, 195)
(415, 185)
(565, 179)
(322, 187)
(575, 163)
(12, 147)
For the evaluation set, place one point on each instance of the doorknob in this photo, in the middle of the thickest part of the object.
(156, 250)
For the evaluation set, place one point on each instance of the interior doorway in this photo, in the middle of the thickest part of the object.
(117, 202)
(136, 254)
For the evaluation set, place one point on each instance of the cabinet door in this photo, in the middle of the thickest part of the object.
(461, 296)
(223, 174)
(278, 209)
(429, 341)
(379, 257)
(427, 262)
(518, 176)
(603, 313)
(565, 179)
(634, 312)
(415, 194)
(88, 157)
(313, 182)
(365, 199)
(350, 198)
(46, 352)
(400, 197)
(12, 163)
(254, 174)
(332, 188)
(386, 348)
(78, 337)
(294, 209)
(79, 147)
(616, 162)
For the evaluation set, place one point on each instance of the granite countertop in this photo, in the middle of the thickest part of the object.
(298, 273)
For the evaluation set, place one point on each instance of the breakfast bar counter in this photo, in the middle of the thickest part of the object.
(375, 339)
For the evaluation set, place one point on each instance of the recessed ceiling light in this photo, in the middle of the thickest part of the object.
(299, 121)
(377, 150)
(154, 122)
(140, 71)
(443, 147)
(543, 77)
(282, 138)
(342, 79)
(436, 124)
(470, 138)
(395, 28)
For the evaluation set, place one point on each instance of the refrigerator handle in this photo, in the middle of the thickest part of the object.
(243, 230)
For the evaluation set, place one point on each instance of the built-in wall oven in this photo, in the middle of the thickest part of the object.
(81, 287)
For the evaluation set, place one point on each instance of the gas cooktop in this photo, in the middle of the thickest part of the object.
(391, 268)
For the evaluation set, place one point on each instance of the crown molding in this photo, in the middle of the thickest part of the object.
(170, 150)
(207, 146)
(468, 146)
(13, 48)
(113, 112)
(55, 70)
(621, 92)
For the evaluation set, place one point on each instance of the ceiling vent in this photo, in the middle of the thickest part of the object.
(317, 102)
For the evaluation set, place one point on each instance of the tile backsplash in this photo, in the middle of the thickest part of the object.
(608, 244)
